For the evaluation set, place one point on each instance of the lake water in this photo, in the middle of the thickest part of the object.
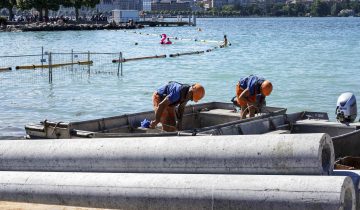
(310, 61)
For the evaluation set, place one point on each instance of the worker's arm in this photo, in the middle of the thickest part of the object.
(180, 114)
(163, 104)
(244, 96)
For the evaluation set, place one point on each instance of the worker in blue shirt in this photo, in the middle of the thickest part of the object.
(169, 103)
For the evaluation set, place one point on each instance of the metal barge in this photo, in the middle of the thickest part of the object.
(196, 117)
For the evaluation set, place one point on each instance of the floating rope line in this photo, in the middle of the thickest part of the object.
(138, 58)
(54, 65)
(186, 53)
(3, 69)
(177, 38)
(164, 56)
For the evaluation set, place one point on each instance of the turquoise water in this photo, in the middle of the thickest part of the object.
(310, 61)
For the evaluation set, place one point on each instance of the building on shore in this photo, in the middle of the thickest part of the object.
(171, 5)
(128, 4)
(105, 6)
(147, 5)
(220, 3)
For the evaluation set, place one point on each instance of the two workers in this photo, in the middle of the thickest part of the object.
(169, 100)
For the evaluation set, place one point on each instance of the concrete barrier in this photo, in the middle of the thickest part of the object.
(179, 191)
(253, 154)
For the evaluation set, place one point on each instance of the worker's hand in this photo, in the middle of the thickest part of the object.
(153, 124)
(252, 103)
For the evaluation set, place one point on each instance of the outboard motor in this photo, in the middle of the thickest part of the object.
(346, 109)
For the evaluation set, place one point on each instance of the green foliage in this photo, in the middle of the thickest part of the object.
(23, 4)
(257, 10)
(200, 4)
(277, 10)
(294, 10)
(355, 5)
(335, 9)
(320, 8)
(228, 8)
(300, 9)
(77, 4)
(8, 4)
(3, 20)
(39, 4)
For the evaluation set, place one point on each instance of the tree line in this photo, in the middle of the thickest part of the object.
(43, 6)
(317, 8)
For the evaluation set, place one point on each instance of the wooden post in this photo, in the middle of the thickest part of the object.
(89, 62)
(72, 60)
(193, 20)
(121, 66)
(42, 56)
(50, 68)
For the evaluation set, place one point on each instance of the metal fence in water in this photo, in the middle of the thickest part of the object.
(52, 66)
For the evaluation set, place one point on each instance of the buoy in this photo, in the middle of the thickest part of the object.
(162, 41)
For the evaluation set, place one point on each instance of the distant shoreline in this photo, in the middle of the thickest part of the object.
(47, 26)
(104, 25)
